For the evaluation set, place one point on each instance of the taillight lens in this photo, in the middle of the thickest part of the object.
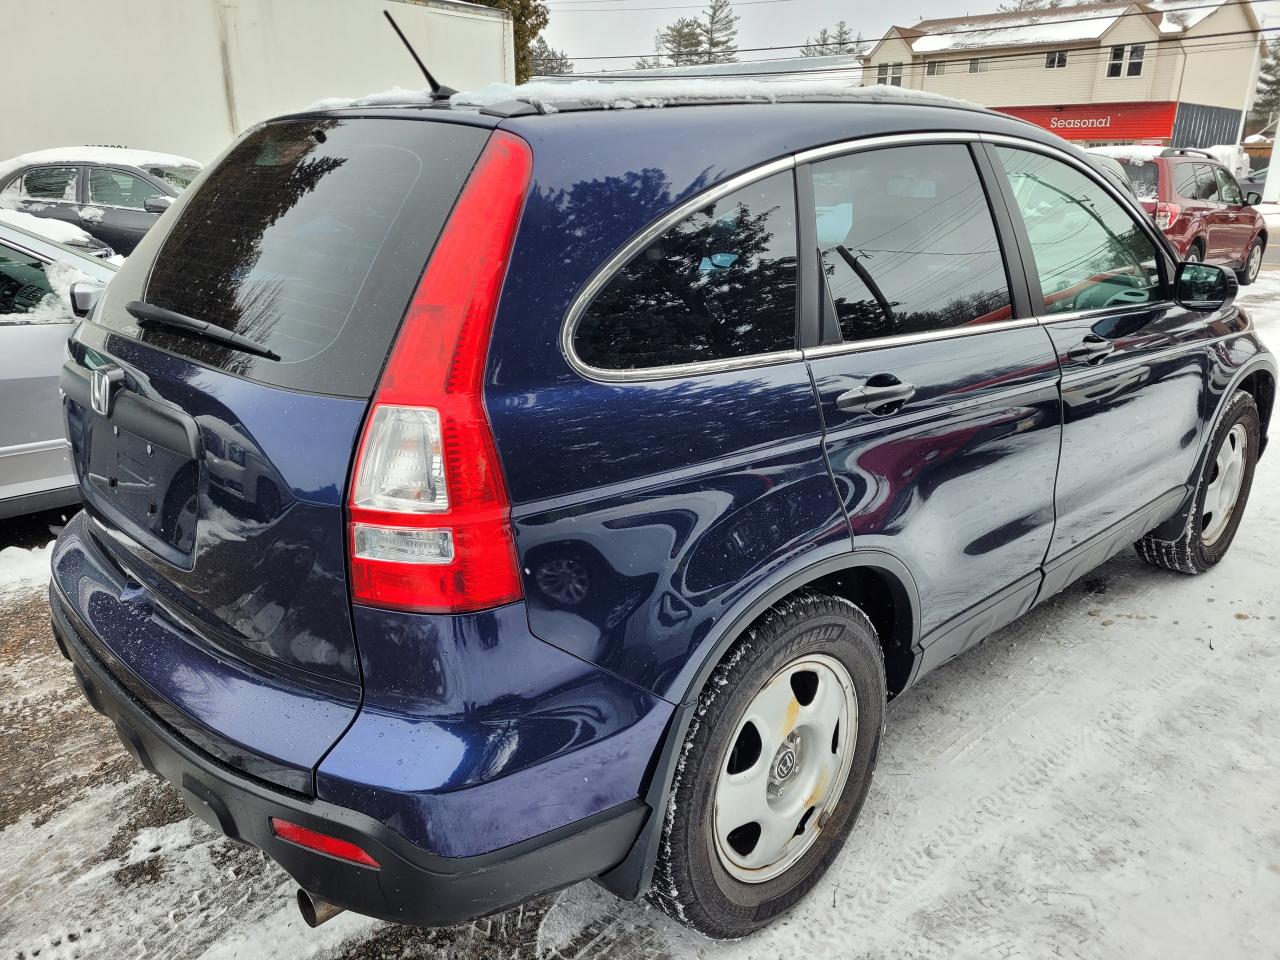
(1166, 214)
(430, 521)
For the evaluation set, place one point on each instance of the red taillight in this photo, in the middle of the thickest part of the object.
(1166, 214)
(430, 526)
(322, 843)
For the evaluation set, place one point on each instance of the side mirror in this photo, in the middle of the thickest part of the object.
(1252, 198)
(157, 204)
(84, 297)
(1204, 286)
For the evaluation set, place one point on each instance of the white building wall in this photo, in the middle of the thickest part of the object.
(188, 77)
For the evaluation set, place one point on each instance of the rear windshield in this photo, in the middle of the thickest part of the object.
(308, 238)
(1145, 178)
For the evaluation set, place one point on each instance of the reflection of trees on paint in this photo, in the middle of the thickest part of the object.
(206, 267)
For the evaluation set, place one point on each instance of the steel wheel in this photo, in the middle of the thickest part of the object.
(1255, 262)
(1224, 484)
(785, 768)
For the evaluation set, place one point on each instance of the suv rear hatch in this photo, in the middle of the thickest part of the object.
(214, 479)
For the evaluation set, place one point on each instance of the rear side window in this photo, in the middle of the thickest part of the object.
(907, 241)
(719, 285)
(308, 238)
(1145, 177)
(50, 183)
(1089, 252)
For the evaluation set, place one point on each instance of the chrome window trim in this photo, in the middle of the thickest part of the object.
(888, 140)
(905, 339)
(606, 271)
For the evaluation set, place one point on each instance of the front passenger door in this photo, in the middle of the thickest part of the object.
(940, 405)
(116, 212)
(1133, 361)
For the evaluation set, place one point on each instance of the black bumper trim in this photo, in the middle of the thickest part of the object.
(412, 885)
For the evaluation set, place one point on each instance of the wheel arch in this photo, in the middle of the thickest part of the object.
(876, 580)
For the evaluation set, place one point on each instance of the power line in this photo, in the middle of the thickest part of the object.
(972, 55)
(987, 29)
(692, 6)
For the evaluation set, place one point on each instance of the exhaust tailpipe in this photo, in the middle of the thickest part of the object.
(314, 910)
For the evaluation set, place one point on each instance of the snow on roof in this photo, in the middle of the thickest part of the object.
(1059, 25)
(1131, 153)
(122, 155)
(636, 92)
(59, 231)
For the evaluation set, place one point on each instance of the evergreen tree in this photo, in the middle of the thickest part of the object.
(1266, 101)
(840, 39)
(719, 32)
(528, 19)
(548, 61)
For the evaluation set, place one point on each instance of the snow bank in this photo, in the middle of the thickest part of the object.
(22, 569)
(59, 231)
(632, 92)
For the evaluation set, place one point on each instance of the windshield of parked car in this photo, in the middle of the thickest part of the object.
(177, 177)
(1144, 176)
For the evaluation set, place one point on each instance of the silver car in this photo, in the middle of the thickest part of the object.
(36, 317)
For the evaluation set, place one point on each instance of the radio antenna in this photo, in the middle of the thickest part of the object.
(438, 91)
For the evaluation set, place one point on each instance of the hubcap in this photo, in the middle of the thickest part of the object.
(785, 768)
(1225, 480)
(1255, 261)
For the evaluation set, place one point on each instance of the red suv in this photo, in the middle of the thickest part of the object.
(1200, 207)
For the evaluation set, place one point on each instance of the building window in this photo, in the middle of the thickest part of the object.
(935, 68)
(1055, 59)
(1136, 53)
(1117, 62)
(979, 66)
(889, 74)
(1116, 66)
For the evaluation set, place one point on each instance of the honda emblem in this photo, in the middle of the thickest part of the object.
(104, 384)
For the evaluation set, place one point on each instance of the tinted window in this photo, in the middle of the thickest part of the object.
(719, 284)
(309, 238)
(907, 241)
(1206, 183)
(1228, 189)
(1145, 178)
(1089, 251)
(115, 188)
(1184, 180)
(50, 183)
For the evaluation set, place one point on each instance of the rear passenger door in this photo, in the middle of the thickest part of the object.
(1133, 361)
(50, 191)
(939, 395)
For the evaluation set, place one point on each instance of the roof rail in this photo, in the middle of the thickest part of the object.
(1186, 152)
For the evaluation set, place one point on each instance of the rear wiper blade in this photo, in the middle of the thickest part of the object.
(147, 313)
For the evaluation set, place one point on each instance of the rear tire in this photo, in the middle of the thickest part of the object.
(806, 660)
(1222, 491)
(1252, 263)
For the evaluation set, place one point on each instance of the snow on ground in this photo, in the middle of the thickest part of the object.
(1271, 213)
(23, 569)
(1097, 780)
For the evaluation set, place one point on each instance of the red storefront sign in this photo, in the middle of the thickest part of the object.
(1102, 121)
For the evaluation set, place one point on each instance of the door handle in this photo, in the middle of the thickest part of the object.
(882, 394)
(1091, 349)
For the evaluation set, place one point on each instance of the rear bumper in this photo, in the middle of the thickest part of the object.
(411, 885)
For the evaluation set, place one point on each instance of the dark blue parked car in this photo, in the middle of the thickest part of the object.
(481, 501)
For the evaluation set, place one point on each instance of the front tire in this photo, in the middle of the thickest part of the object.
(784, 739)
(1222, 491)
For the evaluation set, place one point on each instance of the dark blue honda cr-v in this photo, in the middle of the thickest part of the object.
(477, 501)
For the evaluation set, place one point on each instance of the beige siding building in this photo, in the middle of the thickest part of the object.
(1176, 72)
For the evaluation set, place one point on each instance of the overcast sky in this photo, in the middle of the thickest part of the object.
(601, 28)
